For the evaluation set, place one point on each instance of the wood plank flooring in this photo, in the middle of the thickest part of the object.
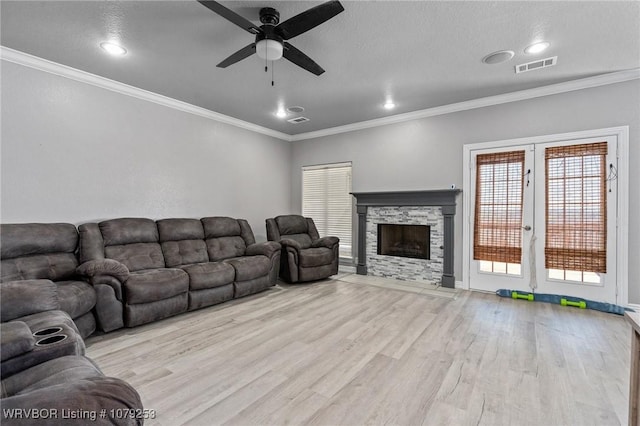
(339, 352)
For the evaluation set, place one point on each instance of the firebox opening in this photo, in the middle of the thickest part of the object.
(404, 240)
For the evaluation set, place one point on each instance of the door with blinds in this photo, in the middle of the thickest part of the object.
(544, 219)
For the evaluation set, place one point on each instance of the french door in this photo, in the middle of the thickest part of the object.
(544, 218)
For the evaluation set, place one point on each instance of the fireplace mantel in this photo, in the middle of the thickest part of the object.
(444, 198)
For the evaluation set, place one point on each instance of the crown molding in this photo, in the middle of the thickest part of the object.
(553, 89)
(21, 58)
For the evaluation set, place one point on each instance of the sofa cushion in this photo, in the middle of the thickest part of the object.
(20, 298)
(292, 224)
(25, 239)
(250, 267)
(15, 339)
(316, 257)
(209, 275)
(128, 231)
(70, 385)
(138, 256)
(54, 266)
(225, 248)
(215, 227)
(303, 239)
(180, 229)
(54, 372)
(76, 297)
(155, 284)
(184, 252)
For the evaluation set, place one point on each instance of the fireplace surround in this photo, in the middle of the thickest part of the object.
(443, 200)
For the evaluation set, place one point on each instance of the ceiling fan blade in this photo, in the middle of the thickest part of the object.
(300, 59)
(308, 19)
(231, 16)
(245, 52)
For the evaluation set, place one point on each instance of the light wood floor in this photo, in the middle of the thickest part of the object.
(339, 352)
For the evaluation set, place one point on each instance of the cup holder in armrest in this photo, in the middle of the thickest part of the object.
(51, 340)
(47, 331)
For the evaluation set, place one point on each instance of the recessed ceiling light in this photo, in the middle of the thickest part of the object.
(389, 105)
(537, 47)
(498, 57)
(281, 113)
(113, 49)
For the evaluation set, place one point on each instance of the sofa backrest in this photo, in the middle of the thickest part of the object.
(182, 241)
(226, 237)
(132, 241)
(297, 228)
(38, 251)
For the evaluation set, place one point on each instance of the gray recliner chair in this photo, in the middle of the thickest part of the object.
(305, 256)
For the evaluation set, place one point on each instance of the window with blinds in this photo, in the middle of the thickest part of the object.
(576, 209)
(327, 200)
(498, 207)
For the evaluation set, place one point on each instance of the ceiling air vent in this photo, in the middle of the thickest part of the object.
(298, 120)
(536, 65)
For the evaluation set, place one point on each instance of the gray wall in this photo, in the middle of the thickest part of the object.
(73, 152)
(427, 153)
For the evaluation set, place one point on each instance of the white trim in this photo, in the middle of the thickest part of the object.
(35, 62)
(21, 58)
(459, 284)
(634, 306)
(622, 135)
(553, 89)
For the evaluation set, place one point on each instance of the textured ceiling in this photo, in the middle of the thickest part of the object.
(422, 54)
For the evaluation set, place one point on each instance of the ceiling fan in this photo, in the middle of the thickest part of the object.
(270, 43)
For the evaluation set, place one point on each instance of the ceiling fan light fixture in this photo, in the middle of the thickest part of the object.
(270, 50)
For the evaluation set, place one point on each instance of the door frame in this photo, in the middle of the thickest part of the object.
(621, 133)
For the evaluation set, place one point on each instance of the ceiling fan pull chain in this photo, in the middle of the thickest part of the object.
(272, 67)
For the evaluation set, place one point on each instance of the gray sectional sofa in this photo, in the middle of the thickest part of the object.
(129, 271)
(143, 270)
(45, 376)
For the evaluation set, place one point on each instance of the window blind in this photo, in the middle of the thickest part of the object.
(327, 200)
(576, 209)
(498, 207)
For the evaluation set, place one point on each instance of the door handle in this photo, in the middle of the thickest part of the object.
(527, 228)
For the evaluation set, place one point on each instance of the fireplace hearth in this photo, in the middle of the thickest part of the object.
(404, 240)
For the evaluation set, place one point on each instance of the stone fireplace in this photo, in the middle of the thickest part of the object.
(407, 235)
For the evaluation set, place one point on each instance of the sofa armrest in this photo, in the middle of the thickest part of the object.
(15, 339)
(26, 297)
(328, 242)
(93, 268)
(268, 249)
(288, 242)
